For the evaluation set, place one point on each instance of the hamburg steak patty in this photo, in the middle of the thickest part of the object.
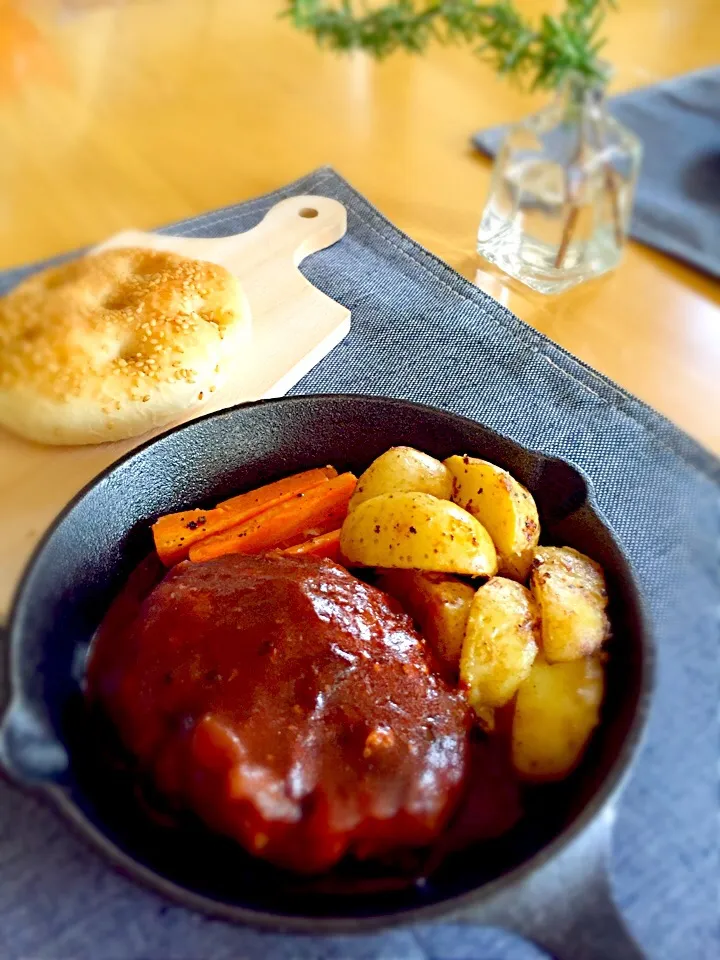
(290, 705)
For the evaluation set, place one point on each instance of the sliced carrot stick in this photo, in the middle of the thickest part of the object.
(321, 509)
(269, 494)
(175, 533)
(326, 545)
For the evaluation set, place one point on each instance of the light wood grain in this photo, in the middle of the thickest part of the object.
(294, 326)
(117, 113)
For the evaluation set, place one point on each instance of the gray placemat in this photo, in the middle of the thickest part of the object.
(421, 331)
(677, 204)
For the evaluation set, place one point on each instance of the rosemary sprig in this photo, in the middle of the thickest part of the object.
(540, 54)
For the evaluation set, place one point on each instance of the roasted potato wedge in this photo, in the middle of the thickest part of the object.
(438, 602)
(556, 710)
(503, 506)
(415, 531)
(571, 593)
(501, 643)
(403, 470)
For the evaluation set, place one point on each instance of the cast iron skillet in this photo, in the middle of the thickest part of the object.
(547, 879)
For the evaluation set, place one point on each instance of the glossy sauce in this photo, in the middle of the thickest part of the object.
(290, 705)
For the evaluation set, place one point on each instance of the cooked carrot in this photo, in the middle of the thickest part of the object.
(269, 494)
(320, 509)
(172, 534)
(326, 545)
(175, 533)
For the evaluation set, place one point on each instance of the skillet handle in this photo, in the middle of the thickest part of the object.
(29, 753)
(5, 698)
(566, 907)
(4, 669)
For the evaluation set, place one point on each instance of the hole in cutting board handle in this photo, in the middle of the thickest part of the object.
(308, 213)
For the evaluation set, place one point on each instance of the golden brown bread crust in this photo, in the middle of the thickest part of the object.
(113, 344)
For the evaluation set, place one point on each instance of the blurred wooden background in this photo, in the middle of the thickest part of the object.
(117, 113)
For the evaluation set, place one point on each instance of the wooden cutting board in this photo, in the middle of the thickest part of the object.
(294, 326)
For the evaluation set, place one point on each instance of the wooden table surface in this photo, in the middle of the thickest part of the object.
(116, 113)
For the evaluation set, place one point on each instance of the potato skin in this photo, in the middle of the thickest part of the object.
(503, 506)
(571, 593)
(500, 646)
(439, 603)
(556, 710)
(403, 470)
(415, 531)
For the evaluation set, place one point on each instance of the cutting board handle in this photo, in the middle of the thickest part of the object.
(304, 224)
(289, 231)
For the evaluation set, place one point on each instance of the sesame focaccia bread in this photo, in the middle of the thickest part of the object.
(117, 343)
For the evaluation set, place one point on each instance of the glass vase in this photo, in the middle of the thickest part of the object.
(561, 192)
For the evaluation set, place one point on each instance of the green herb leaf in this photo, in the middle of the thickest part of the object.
(542, 54)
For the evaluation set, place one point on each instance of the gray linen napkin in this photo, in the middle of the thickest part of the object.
(677, 204)
(421, 331)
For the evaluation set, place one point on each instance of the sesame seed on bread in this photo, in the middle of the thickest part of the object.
(117, 343)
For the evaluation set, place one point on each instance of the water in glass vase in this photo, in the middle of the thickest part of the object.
(561, 193)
